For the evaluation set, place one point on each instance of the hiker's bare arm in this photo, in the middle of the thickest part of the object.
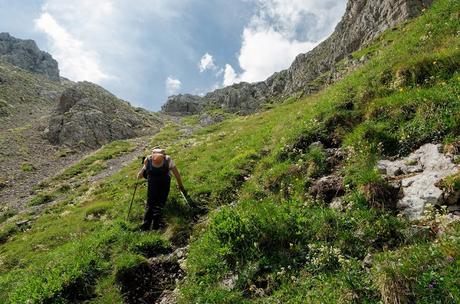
(178, 178)
(141, 173)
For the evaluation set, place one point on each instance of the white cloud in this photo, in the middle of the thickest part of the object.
(75, 60)
(99, 40)
(206, 63)
(280, 31)
(172, 85)
(267, 51)
(230, 76)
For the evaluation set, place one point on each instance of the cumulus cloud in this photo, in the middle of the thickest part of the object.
(109, 41)
(172, 85)
(266, 51)
(279, 31)
(76, 61)
(206, 63)
(230, 76)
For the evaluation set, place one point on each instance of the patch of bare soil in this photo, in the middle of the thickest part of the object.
(147, 282)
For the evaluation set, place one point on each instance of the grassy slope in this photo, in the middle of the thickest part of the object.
(282, 245)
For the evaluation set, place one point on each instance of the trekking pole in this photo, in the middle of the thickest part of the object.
(188, 200)
(184, 197)
(132, 199)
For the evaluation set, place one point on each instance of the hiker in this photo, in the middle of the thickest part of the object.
(156, 169)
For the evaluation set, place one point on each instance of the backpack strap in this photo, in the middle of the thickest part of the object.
(145, 174)
(167, 161)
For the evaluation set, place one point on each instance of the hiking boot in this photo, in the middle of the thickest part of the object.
(145, 227)
(156, 225)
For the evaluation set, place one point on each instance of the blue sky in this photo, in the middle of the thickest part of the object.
(145, 50)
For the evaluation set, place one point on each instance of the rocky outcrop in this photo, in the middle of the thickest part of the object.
(26, 55)
(419, 175)
(87, 116)
(183, 105)
(363, 21)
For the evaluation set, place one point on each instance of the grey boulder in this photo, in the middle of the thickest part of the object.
(87, 116)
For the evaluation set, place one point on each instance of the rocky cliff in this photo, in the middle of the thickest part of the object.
(87, 116)
(363, 21)
(26, 55)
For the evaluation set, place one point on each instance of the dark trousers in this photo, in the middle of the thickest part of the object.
(157, 194)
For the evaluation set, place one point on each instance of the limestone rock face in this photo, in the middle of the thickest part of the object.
(26, 55)
(183, 105)
(363, 21)
(419, 175)
(87, 116)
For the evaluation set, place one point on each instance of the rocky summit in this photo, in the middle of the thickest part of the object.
(26, 54)
(87, 116)
(362, 22)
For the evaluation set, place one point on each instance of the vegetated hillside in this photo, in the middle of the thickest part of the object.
(267, 239)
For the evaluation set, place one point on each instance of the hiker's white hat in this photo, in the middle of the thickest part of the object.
(157, 150)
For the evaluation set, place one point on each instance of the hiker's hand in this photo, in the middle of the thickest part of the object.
(182, 189)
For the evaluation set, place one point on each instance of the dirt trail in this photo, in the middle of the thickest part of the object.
(17, 195)
(116, 164)
(26, 145)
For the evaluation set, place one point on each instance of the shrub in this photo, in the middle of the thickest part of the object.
(27, 167)
(41, 198)
(256, 239)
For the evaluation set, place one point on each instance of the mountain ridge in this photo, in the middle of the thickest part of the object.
(362, 22)
(26, 54)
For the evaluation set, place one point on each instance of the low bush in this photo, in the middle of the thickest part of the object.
(28, 167)
(256, 239)
(41, 198)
